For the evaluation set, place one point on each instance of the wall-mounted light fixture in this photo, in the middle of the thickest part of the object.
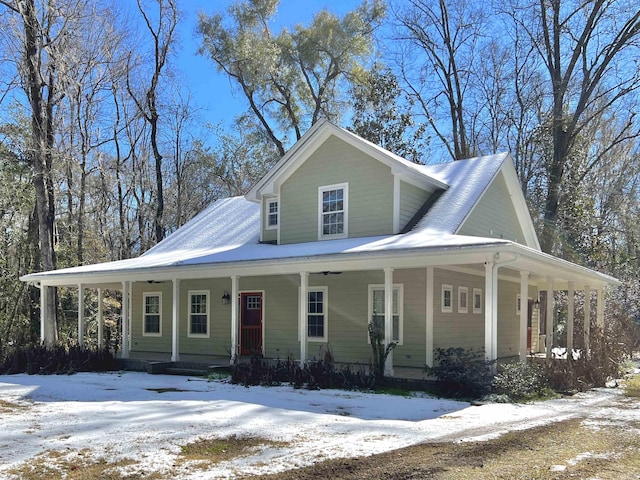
(226, 298)
(536, 303)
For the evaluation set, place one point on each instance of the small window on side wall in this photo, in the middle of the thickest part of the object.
(273, 214)
(463, 299)
(477, 300)
(447, 299)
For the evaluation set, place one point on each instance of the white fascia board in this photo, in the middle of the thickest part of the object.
(527, 259)
(314, 138)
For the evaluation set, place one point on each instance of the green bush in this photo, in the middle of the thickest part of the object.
(520, 381)
(463, 373)
(56, 360)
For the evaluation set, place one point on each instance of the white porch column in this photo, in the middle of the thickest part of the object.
(80, 315)
(587, 318)
(175, 321)
(571, 303)
(302, 315)
(550, 310)
(490, 312)
(388, 318)
(524, 313)
(234, 318)
(600, 309)
(429, 320)
(124, 313)
(100, 320)
(43, 304)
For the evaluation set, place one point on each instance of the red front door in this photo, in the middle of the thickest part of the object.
(251, 323)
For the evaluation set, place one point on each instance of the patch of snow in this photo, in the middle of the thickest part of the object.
(119, 416)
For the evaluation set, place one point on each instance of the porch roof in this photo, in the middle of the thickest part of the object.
(224, 240)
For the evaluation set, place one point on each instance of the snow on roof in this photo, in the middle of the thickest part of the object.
(229, 229)
(467, 180)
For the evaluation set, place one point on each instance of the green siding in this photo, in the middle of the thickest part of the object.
(139, 342)
(370, 193)
(268, 234)
(466, 330)
(411, 199)
(494, 216)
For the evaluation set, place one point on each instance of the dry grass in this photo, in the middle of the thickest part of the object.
(7, 407)
(55, 465)
(213, 450)
(563, 450)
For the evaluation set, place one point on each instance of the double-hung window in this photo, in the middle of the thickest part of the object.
(198, 313)
(333, 211)
(463, 299)
(272, 214)
(377, 310)
(477, 300)
(152, 314)
(447, 299)
(317, 314)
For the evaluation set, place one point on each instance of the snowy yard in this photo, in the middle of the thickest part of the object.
(147, 418)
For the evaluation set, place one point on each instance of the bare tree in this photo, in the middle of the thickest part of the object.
(162, 35)
(587, 49)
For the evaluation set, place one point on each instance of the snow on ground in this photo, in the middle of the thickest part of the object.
(147, 418)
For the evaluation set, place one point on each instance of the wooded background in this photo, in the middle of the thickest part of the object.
(102, 154)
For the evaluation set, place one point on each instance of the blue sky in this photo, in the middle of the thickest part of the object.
(211, 91)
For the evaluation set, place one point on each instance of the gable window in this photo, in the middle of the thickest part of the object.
(152, 314)
(463, 299)
(198, 313)
(447, 299)
(333, 208)
(377, 310)
(477, 300)
(272, 214)
(317, 314)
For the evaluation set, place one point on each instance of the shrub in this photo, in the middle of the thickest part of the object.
(57, 360)
(463, 373)
(520, 381)
(314, 374)
(379, 351)
(632, 387)
(591, 369)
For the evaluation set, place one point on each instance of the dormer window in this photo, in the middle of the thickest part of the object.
(272, 214)
(333, 210)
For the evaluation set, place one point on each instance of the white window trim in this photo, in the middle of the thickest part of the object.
(270, 201)
(477, 291)
(400, 288)
(199, 292)
(461, 291)
(144, 314)
(325, 309)
(345, 204)
(446, 288)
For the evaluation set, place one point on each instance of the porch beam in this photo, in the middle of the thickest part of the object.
(234, 318)
(600, 309)
(587, 319)
(490, 311)
(100, 320)
(80, 315)
(550, 310)
(524, 313)
(302, 315)
(571, 306)
(429, 319)
(124, 315)
(175, 321)
(388, 318)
